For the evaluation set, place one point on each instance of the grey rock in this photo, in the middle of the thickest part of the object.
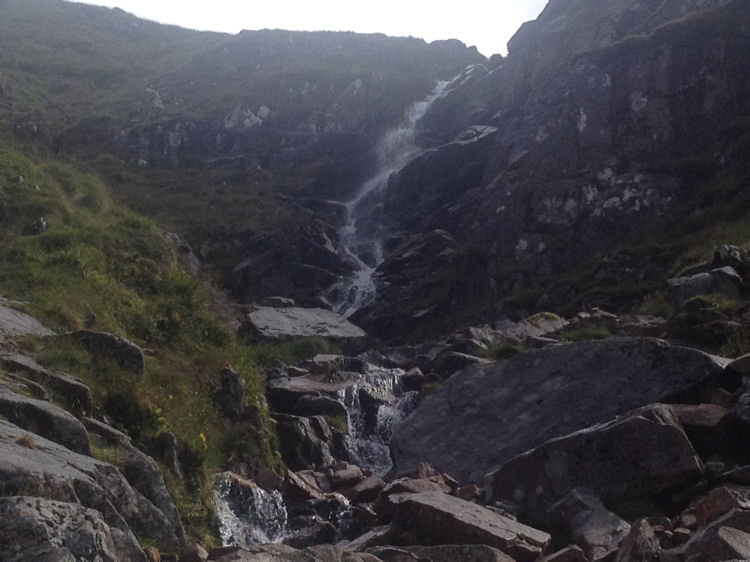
(305, 443)
(434, 518)
(71, 391)
(232, 394)
(587, 523)
(727, 538)
(283, 323)
(441, 553)
(641, 544)
(123, 352)
(39, 467)
(14, 323)
(724, 280)
(640, 454)
(571, 553)
(539, 395)
(309, 405)
(51, 531)
(45, 419)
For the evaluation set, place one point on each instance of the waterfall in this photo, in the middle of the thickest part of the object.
(376, 404)
(361, 234)
(248, 515)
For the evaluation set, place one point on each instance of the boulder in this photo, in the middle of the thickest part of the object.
(434, 518)
(641, 544)
(539, 395)
(640, 454)
(285, 553)
(585, 521)
(43, 529)
(14, 323)
(445, 553)
(267, 323)
(723, 280)
(727, 538)
(571, 553)
(305, 443)
(309, 405)
(123, 352)
(45, 419)
(71, 391)
(33, 465)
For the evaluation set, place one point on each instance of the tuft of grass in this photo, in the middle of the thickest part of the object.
(111, 455)
(27, 440)
(584, 334)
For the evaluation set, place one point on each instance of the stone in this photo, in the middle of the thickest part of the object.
(196, 553)
(720, 501)
(43, 529)
(705, 426)
(571, 553)
(152, 554)
(268, 323)
(455, 552)
(450, 362)
(346, 477)
(724, 280)
(123, 352)
(14, 323)
(286, 553)
(535, 326)
(641, 544)
(305, 443)
(586, 522)
(366, 490)
(727, 538)
(296, 488)
(38, 226)
(40, 467)
(311, 405)
(71, 391)
(45, 419)
(373, 537)
(539, 395)
(435, 518)
(639, 454)
(232, 394)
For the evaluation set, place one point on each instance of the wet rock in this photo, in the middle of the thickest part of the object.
(285, 553)
(309, 405)
(305, 442)
(297, 488)
(346, 477)
(366, 490)
(586, 522)
(453, 552)
(44, 529)
(45, 419)
(434, 518)
(641, 544)
(71, 391)
(283, 323)
(539, 395)
(124, 353)
(642, 453)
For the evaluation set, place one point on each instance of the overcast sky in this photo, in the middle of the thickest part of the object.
(487, 24)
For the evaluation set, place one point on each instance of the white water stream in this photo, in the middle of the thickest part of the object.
(361, 238)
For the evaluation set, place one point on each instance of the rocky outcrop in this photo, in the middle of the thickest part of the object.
(639, 454)
(14, 323)
(267, 323)
(43, 529)
(540, 395)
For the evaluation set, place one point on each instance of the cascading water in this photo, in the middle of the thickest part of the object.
(248, 515)
(361, 234)
(376, 403)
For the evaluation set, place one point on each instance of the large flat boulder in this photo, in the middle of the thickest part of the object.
(484, 416)
(435, 518)
(641, 454)
(269, 323)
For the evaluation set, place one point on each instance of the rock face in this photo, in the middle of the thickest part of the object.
(641, 454)
(42, 529)
(540, 395)
(15, 323)
(269, 323)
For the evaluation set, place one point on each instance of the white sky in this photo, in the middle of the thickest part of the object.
(487, 24)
